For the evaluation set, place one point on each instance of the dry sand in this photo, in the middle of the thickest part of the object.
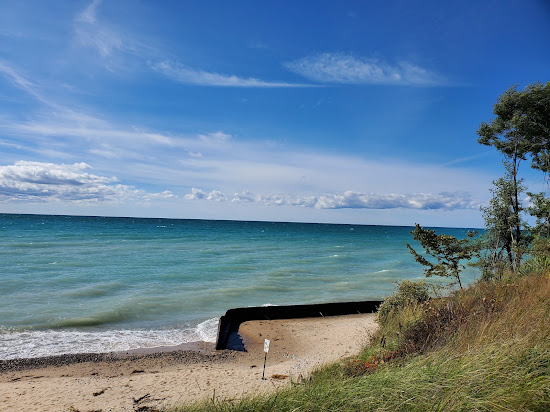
(133, 381)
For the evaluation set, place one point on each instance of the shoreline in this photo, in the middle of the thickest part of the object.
(161, 377)
(198, 349)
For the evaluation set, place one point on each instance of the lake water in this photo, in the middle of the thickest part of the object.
(98, 284)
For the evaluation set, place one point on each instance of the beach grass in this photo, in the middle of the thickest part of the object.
(486, 348)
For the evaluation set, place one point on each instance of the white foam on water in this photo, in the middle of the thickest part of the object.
(34, 344)
(207, 330)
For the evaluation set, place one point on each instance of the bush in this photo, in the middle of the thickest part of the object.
(408, 292)
(538, 265)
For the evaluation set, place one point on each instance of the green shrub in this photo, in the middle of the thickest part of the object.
(407, 293)
(538, 265)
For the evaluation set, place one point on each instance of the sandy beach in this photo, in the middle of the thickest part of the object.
(164, 377)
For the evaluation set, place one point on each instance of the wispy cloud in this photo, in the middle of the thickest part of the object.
(118, 49)
(349, 200)
(112, 44)
(38, 181)
(88, 15)
(347, 69)
(93, 34)
(16, 78)
(465, 159)
(21, 82)
(187, 75)
(218, 137)
(219, 160)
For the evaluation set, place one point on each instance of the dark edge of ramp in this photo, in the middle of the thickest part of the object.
(229, 323)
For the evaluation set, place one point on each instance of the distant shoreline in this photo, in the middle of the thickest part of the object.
(234, 220)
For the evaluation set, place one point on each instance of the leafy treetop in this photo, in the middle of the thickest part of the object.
(522, 125)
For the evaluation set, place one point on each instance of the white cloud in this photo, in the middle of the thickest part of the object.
(195, 194)
(17, 79)
(303, 180)
(351, 200)
(215, 137)
(115, 46)
(355, 200)
(348, 69)
(89, 13)
(22, 83)
(162, 195)
(68, 123)
(214, 195)
(91, 33)
(245, 196)
(187, 75)
(37, 181)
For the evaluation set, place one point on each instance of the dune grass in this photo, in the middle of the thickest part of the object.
(486, 348)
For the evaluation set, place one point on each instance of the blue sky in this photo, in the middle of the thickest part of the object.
(319, 111)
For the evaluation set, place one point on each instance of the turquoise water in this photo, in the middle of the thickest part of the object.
(95, 284)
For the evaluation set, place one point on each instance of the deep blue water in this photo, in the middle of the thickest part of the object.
(81, 284)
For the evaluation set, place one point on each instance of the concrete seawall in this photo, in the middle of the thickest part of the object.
(228, 325)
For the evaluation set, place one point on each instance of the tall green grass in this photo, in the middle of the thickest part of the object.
(486, 348)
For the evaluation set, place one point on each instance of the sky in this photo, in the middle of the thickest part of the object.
(356, 112)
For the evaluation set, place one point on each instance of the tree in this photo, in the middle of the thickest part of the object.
(522, 125)
(446, 249)
(521, 128)
(541, 210)
(504, 240)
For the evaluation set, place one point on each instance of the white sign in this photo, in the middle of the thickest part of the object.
(266, 346)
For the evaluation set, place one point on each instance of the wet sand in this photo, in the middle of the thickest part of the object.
(172, 376)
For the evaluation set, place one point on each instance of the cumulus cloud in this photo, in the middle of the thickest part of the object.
(195, 194)
(352, 200)
(348, 69)
(187, 75)
(214, 195)
(245, 196)
(32, 181)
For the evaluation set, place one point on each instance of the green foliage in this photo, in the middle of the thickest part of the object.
(541, 210)
(522, 125)
(504, 242)
(538, 265)
(540, 247)
(448, 251)
(408, 293)
(521, 129)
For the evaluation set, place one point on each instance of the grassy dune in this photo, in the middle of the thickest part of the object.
(484, 348)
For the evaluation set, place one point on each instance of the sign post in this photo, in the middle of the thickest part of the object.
(266, 350)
